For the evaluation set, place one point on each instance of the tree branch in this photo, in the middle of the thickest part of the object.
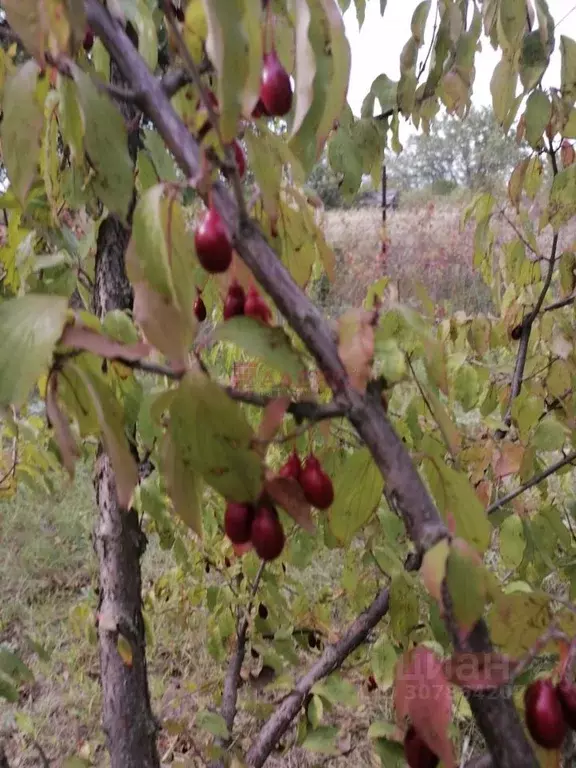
(230, 695)
(560, 303)
(496, 716)
(570, 459)
(301, 409)
(528, 322)
(330, 660)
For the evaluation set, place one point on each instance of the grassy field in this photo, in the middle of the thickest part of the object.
(48, 582)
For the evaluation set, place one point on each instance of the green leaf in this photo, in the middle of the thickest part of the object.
(511, 24)
(213, 438)
(212, 722)
(315, 711)
(533, 177)
(503, 89)
(7, 690)
(271, 344)
(340, 75)
(322, 740)
(12, 666)
(25, 18)
(568, 69)
(111, 422)
(163, 162)
(31, 326)
(549, 435)
(305, 71)
(512, 541)
(336, 690)
(537, 116)
(380, 729)
(383, 660)
(226, 46)
(140, 15)
(358, 488)
(184, 486)
(118, 325)
(391, 753)
(562, 201)
(106, 143)
(404, 609)
(467, 387)
(266, 167)
(466, 583)
(456, 499)
(22, 125)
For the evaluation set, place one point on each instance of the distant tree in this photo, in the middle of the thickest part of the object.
(324, 182)
(467, 153)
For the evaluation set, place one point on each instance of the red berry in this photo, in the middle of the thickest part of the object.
(200, 309)
(260, 110)
(418, 754)
(543, 714)
(316, 484)
(566, 692)
(275, 88)
(238, 521)
(267, 534)
(256, 307)
(240, 158)
(213, 245)
(234, 301)
(88, 41)
(292, 468)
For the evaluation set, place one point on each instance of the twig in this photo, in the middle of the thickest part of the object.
(528, 322)
(330, 660)
(300, 409)
(518, 232)
(495, 716)
(552, 633)
(560, 303)
(41, 753)
(571, 458)
(9, 473)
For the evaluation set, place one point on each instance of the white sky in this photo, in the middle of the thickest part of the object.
(377, 46)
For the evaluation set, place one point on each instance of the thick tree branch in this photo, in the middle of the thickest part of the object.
(404, 486)
(569, 459)
(330, 660)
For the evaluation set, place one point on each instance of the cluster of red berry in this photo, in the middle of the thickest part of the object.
(237, 302)
(259, 523)
(549, 711)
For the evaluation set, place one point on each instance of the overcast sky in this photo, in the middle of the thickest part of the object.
(376, 47)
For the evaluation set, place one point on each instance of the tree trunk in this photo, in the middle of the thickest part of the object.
(127, 719)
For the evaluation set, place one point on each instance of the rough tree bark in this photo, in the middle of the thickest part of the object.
(127, 717)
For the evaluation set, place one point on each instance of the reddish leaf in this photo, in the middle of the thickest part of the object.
(567, 153)
(81, 337)
(479, 671)
(272, 418)
(422, 695)
(509, 460)
(287, 492)
(61, 426)
(356, 345)
(162, 324)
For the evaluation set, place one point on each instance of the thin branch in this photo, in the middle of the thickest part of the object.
(43, 757)
(528, 322)
(497, 715)
(300, 409)
(560, 303)
(230, 696)
(330, 660)
(518, 232)
(9, 473)
(552, 633)
(570, 459)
